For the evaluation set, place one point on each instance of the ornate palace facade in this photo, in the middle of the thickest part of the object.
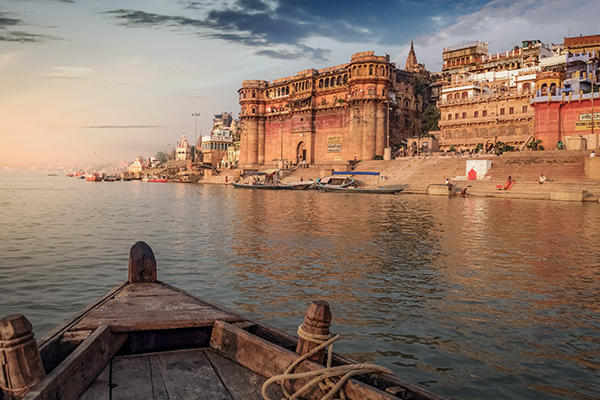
(486, 98)
(332, 115)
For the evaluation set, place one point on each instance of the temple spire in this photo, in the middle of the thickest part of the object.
(411, 59)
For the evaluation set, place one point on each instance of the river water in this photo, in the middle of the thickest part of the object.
(473, 298)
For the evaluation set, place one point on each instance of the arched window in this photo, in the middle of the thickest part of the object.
(370, 92)
(345, 78)
(553, 89)
(339, 80)
(464, 134)
(253, 94)
(417, 105)
(510, 131)
(456, 96)
(333, 81)
(326, 82)
(244, 95)
(406, 104)
(465, 96)
(525, 130)
(526, 87)
(370, 70)
(358, 72)
(382, 72)
(476, 133)
(485, 92)
(320, 83)
(253, 110)
(456, 134)
(287, 90)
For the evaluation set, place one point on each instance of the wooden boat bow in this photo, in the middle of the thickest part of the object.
(145, 339)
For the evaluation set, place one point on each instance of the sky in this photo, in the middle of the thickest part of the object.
(91, 82)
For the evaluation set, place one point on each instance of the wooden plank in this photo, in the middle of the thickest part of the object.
(241, 383)
(70, 379)
(152, 313)
(131, 378)
(159, 390)
(146, 290)
(100, 388)
(268, 360)
(189, 375)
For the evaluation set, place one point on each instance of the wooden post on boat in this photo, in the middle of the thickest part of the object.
(142, 264)
(316, 322)
(20, 361)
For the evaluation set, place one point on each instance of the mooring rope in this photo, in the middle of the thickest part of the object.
(322, 377)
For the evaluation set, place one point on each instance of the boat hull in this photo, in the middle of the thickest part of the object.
(361, 190)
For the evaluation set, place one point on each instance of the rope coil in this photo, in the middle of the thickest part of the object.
(323, 377)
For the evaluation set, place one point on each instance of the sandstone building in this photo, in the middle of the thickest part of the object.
(332, 115)
(567, 106)
(486, 98)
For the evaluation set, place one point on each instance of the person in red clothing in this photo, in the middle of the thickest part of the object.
(509, 183)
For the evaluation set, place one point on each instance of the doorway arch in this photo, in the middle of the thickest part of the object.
(301, 152)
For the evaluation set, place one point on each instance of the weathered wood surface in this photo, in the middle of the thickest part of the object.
(142, 264)
(20, 362)
(153, 306)
(70, 379)
(317, 320)
(52, 348)
(182, 374)
(267, 360)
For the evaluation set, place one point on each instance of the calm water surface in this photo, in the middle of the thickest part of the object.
(472, 298)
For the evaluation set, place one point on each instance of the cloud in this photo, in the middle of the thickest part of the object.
(70, 72)
(128, 126)
(505, 24)
(8, 34)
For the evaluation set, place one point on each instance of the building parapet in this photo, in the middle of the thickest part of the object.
(507, 54)
(481, 46)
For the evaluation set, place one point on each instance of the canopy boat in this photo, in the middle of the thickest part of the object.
(145, 339)
(339, 181)
(110, 178)
(369, 190)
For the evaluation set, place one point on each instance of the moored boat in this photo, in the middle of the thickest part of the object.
(335, 181)
(146, 339)
(368, 190)
(93, 177)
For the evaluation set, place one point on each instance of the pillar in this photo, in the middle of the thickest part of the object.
(381, 125)
(260, 141)
(317, 320)
(20, 360)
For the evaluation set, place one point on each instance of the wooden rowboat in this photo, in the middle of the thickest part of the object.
(145, 339)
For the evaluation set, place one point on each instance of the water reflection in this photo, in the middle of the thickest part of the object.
(475, 298)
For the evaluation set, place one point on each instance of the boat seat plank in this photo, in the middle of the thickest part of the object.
(146, 290)
(158, 312)
(241, 383)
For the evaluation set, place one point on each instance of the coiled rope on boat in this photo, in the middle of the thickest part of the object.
(322, 377)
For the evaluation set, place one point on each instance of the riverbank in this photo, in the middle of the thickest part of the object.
(569, 173)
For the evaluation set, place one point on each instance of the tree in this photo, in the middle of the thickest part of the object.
(502, 147)
(431, 116)
(162, 156)
(535, 145)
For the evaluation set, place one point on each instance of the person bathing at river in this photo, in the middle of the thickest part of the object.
(542, 179)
